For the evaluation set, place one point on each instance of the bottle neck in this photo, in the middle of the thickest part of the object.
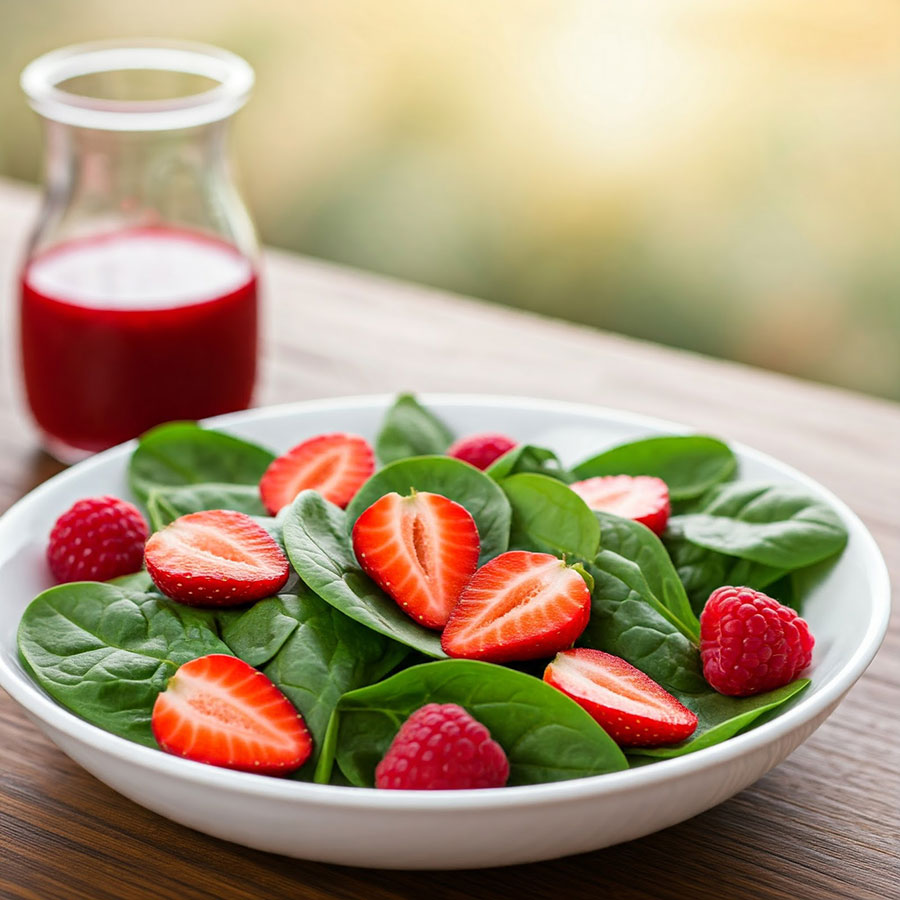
(102, 181)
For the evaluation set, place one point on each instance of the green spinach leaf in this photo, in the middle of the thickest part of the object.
(137, 581)
(258, 632)
(549, 517)
(528, 458)
(788, 589)
(409, 429)
(165, 505)
(779, 526)
(626, 623)
(546, 736)
(313, 653)
(689, 465)
(702, 571)
(318, 545)
(635, 555)
(459, 481)
(181, 453)
(105, 652)
(720, 718)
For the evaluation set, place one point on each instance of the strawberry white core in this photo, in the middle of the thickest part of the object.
(623, 495)
(207, 702)
(583, 677)
(206, 547)
(536, 589)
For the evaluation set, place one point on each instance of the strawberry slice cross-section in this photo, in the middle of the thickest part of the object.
(640, 497)
(335, 465)
(421, 550)
(216, 557)
(518, 606)
(633, 709)
(219, 710)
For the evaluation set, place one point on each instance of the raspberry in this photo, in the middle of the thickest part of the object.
(97, 539)
(439, 748)
(480, 450)
(750, 643)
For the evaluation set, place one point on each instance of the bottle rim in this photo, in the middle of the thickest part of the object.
(41, 78)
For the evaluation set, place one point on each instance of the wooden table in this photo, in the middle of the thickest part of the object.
(824, 824)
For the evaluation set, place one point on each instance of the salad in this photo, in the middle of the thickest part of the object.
(434, 612)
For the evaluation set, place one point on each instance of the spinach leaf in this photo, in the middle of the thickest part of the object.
(702, 571)
(689, 465)
(326, 772)
(410, 430)
(546, 735)
(313, 653)
(137, 581)
(459, 481)
(318, 545)
(720, 718)
(528, 458)
(258, 632)
(634, 555)
(183, 453)
(627, 624)
(779, 526)
(105, 652)
(549, 517)
(788, 590)
(165, 505)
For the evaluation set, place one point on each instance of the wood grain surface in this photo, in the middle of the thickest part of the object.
(824, 824)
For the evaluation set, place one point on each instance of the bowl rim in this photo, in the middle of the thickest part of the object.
(39, 705)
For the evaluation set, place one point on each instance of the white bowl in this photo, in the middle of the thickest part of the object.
(848, 612)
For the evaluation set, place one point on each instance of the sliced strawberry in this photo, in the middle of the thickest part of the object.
(215, 558)
(640, 497)
(421, 549)
(219, 710)
(633, 709)
(335, 465)
(518, 606)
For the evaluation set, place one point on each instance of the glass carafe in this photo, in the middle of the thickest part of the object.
(139, 290)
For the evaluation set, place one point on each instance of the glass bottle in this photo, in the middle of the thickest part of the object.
(139, 289)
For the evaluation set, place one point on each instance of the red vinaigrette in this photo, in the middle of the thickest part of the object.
(138, 297)
(172, 313)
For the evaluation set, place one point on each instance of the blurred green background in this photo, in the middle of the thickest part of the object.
(720, 176)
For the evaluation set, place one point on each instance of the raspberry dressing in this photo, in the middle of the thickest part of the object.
(127, 330)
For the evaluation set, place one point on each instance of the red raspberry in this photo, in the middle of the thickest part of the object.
(750, 643)
(439, 748)
(480, 450)
(97, 539)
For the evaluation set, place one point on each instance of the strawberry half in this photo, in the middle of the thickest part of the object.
(518, 606)
(421, 549)
(215, 558)
(219, 710)
(632, 708)
(640, 497)
(335, 465)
